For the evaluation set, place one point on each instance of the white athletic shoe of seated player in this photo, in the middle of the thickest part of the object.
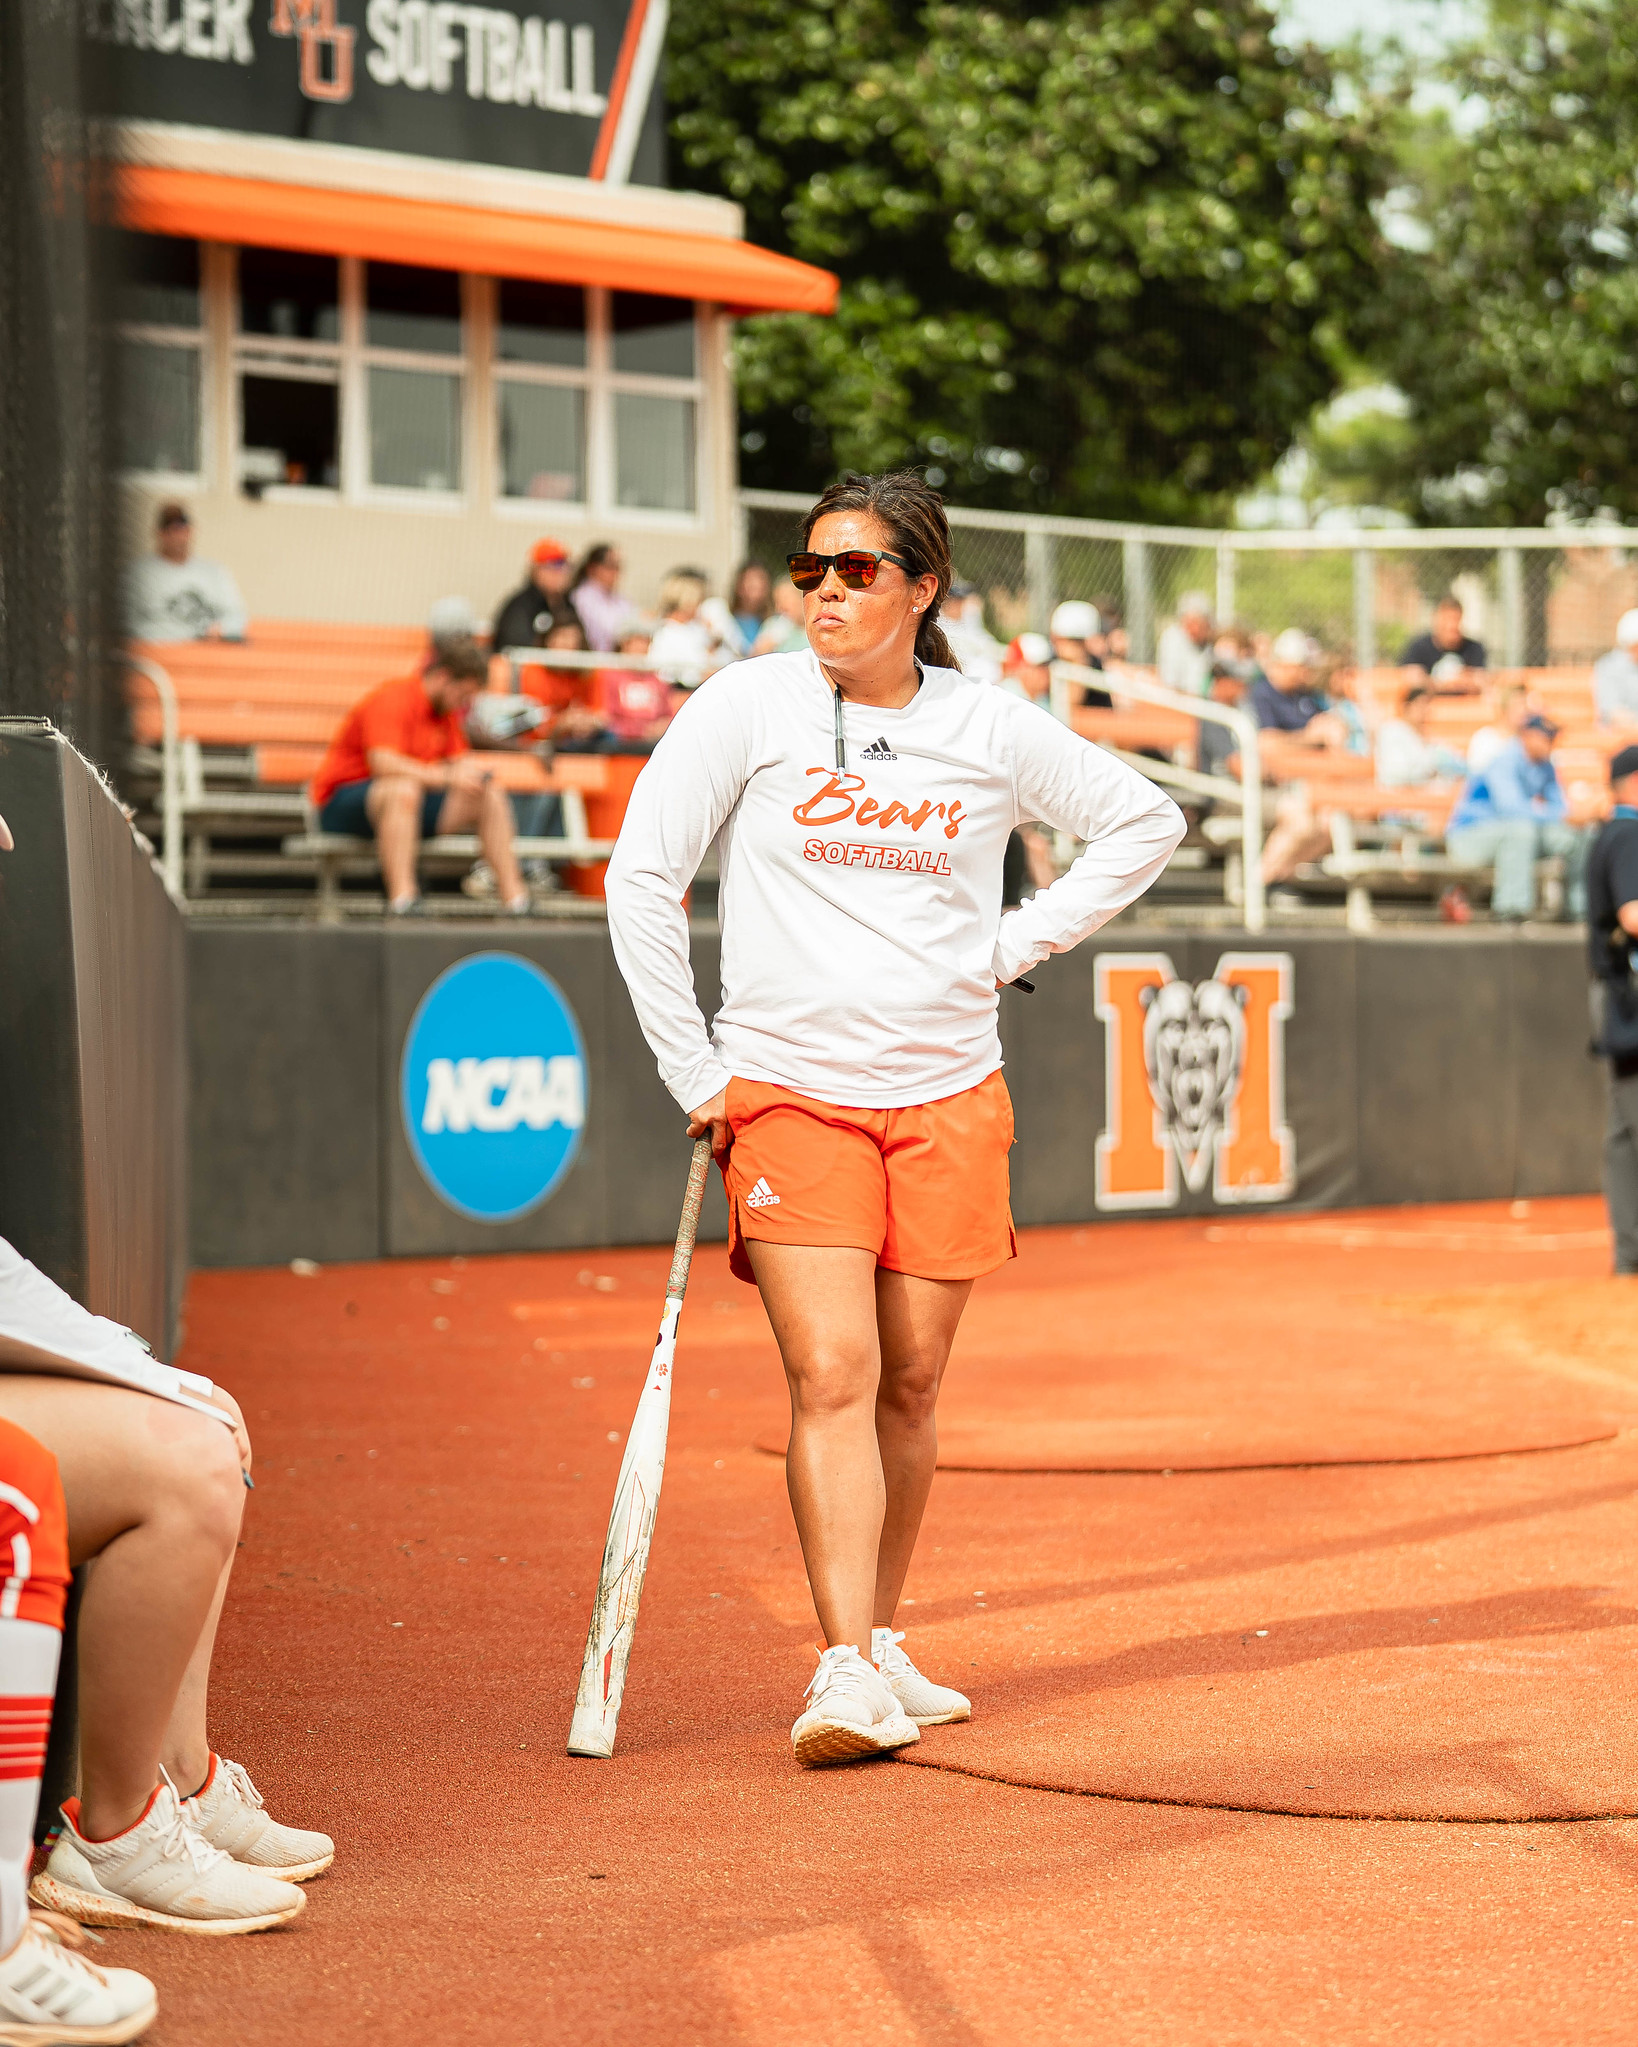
(159, 1872)
(851, 1712)
(51, 1994)
(229, 1811)
(927, 1704)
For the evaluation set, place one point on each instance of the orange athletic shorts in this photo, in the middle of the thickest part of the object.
(923, 1187)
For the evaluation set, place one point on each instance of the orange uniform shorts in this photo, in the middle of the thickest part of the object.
(33, 1535)
(925, 1188)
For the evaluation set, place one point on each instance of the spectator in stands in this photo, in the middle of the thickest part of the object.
(1615, 675)
(1072, 627)
(1183, 656)
(172, 594)
(400, 767)
(1405, 757)
(1235, 670)
(595, 595)
(530, 613)
(971, 641)
(1510, 706)
(1612, 936)
(1026, 669)
(1512, 813)
(1444, 654)
(1285, 698)
(786, 631)
(636, 706)
(685, 639)
(750, 603)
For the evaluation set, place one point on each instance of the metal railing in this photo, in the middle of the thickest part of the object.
(1123, 681)
(170, 771)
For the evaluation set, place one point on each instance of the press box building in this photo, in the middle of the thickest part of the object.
(406, 290)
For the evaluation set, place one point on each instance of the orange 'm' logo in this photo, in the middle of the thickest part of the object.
(1194, 1080)
(314, 22)
(834, 803)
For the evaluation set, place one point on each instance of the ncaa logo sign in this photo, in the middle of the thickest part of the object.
(493, 1086)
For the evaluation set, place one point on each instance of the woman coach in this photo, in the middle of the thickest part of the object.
(862, 794)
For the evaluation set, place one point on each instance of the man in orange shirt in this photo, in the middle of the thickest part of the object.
(400, 768)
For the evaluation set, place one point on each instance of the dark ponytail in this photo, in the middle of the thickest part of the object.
(913, 513)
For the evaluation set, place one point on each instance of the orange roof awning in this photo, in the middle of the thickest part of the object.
(261, 214)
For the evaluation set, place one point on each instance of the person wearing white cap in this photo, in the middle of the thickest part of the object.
(1183, 656)
(1615, 675)
(1071, 626)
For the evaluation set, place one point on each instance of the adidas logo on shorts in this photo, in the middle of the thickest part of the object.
(762, 1196)
(878, 750)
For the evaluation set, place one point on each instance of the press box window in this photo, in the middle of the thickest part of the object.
(412, 329)
(653, 346)
(540, 389)
(161, 350)
(289, 369)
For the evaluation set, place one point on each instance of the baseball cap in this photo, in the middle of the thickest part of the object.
(960, 591)
(547, 551)
(174, 514)
(1624, 763)
(1626, 629)
(1294, 646)
(1075, 620)
(1537, 723)
(1194, 604)
(1032, 650)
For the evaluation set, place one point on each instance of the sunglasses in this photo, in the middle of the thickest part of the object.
(856, 569)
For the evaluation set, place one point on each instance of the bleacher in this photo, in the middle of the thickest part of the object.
(251, 722)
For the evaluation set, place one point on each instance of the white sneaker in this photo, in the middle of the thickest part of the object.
(928, 1704)
(51, 1996)
(229, 1812)
(159, 1873)
(852, 1712)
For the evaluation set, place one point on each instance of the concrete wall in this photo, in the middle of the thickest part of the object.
(1450, 1066)
(93, 1134)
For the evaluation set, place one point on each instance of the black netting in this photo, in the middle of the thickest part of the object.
(58, 510)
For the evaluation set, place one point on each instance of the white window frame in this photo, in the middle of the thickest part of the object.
(250, 351)
(199, 341)
(366, 356)
(564, 378)
(225, 354)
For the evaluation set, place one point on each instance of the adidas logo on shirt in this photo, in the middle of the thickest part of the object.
(878, 750)
(762, 1196)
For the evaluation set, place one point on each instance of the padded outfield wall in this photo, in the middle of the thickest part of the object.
(372, 1092)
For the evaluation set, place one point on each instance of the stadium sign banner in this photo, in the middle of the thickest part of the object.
(492, 1087)
(1194, 1081)
(535, 85)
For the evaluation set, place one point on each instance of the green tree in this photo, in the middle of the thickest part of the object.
(1511, 322)
(1094, 258)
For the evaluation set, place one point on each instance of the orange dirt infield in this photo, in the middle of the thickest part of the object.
(437, 1444)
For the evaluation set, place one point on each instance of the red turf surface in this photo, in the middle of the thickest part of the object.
(398, 1661)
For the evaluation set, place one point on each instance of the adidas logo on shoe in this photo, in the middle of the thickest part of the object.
(878, 750)
(762, 1196)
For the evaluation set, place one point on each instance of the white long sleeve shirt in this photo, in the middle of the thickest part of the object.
(862, 931)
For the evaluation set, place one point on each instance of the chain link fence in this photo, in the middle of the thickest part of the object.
(1534, 599)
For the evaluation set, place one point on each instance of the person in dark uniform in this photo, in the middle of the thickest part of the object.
(1612, 933)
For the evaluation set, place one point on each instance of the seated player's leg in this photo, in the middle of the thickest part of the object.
(154, 1494)
(44, 1983)
(394, 806)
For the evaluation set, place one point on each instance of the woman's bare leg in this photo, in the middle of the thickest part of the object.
(155, 1494)
(185, 1754)
(821, 1300)
(916, 1320)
